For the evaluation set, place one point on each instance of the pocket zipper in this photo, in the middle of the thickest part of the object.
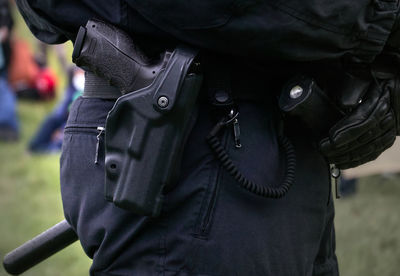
(335, 178)
(210, 208)
(101, 130)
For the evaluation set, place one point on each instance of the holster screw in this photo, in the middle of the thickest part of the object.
(296, 92)
(162, 101)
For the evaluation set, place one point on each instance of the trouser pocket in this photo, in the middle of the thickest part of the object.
(82, 178)
(82, 169)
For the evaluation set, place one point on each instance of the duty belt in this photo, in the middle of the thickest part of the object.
(96, 87)
(244, 86)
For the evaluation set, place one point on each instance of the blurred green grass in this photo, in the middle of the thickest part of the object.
(368, 228)
(367, 225)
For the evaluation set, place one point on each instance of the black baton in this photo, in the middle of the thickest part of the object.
(39, 248)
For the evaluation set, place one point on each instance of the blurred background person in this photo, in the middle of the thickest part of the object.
(29, 75)
(49, 136)
(9, 126)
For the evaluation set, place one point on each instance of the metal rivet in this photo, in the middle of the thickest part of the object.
(296, 92)
(162, 101)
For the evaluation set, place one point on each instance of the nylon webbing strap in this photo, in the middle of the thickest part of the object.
(96, 87)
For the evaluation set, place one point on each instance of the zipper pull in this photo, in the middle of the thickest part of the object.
(101, 131)
(236, 133)
(335, 174)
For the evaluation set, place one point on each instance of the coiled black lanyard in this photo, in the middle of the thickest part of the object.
(228, 164)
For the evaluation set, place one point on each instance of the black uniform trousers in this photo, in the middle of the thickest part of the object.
(208, 225)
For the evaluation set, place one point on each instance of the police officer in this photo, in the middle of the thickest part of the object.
(209, 225)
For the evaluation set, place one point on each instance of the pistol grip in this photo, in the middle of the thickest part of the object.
(111, 54)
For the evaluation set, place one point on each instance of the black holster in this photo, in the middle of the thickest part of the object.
(145, 134)
(147, 127)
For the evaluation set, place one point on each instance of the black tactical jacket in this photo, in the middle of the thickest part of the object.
(301, 30)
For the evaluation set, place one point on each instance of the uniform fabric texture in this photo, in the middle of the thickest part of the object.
(264, 29)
